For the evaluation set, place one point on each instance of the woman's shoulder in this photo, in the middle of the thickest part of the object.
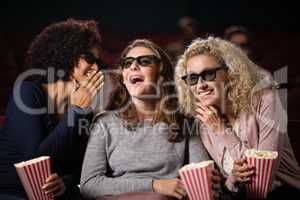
(28, 93)
(28, 87)
(265, 96)
(107, 123)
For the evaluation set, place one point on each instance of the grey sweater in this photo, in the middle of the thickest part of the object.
(136, 157)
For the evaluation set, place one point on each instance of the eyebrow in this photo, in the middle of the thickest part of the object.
(192, 72)
(140, 56)
(207, 69)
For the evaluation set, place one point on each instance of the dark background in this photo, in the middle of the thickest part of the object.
(274, 26)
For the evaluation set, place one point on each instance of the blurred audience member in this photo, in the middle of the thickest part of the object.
(188, 31)
(239, 36)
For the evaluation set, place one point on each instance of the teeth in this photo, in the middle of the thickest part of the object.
(205, 93)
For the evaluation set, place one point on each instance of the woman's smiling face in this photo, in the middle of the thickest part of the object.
(209, 93)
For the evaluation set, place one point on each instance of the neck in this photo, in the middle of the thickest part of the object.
(145, 108)
(58, 93)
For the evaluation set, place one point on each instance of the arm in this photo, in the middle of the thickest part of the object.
(94, 182)
(29, 131)
(66, 137)
(271, 122)
(269, 117)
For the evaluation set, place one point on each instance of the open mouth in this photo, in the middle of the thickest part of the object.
(136, 79)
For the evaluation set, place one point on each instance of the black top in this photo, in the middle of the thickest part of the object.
(25, 136)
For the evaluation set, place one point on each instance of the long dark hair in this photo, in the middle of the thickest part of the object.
(171, 104)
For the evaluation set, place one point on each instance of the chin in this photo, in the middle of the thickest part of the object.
(209, 101)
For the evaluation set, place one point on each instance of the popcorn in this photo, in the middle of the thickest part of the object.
(264, 162)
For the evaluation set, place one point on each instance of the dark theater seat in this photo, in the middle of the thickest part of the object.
(2, 120)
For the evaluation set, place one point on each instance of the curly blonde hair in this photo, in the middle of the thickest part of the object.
(242, 74)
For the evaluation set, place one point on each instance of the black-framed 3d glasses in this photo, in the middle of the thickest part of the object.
(91, 59)
(207, 75)
(144, 61)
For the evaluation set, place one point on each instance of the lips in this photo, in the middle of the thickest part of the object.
(136, 79)
(205, 93)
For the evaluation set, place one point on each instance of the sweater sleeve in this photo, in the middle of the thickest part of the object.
(28, 129)
(271, 124)
(271, 121)
(94, 182)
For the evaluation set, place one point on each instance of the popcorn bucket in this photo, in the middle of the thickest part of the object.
(33, 174)
(260, 183)
(196, 178)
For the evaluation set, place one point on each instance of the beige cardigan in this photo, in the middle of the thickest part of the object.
(265, 130)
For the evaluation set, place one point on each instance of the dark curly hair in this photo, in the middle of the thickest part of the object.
(60, 45)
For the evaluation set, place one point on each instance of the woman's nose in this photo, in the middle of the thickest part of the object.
(134, 66)
(201, 84)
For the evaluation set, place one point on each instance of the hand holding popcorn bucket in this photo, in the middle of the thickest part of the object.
(33, 174)
(264, 163)
(196, 178)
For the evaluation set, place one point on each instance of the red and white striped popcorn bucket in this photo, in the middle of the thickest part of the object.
(33, 174)
(196, 178)
(264, 163)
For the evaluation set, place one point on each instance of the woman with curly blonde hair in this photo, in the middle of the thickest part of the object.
(237, 109)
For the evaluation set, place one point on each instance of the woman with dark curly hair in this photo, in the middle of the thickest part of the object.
(49, 111)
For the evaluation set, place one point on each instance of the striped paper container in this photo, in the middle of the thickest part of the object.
(260, 183)
(33, 174)
(196, 178)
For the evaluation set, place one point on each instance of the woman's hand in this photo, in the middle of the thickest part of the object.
(210, 117)
(241, 171)
(216, 183)
(169, 187)
(84, 93)
(54, 186)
